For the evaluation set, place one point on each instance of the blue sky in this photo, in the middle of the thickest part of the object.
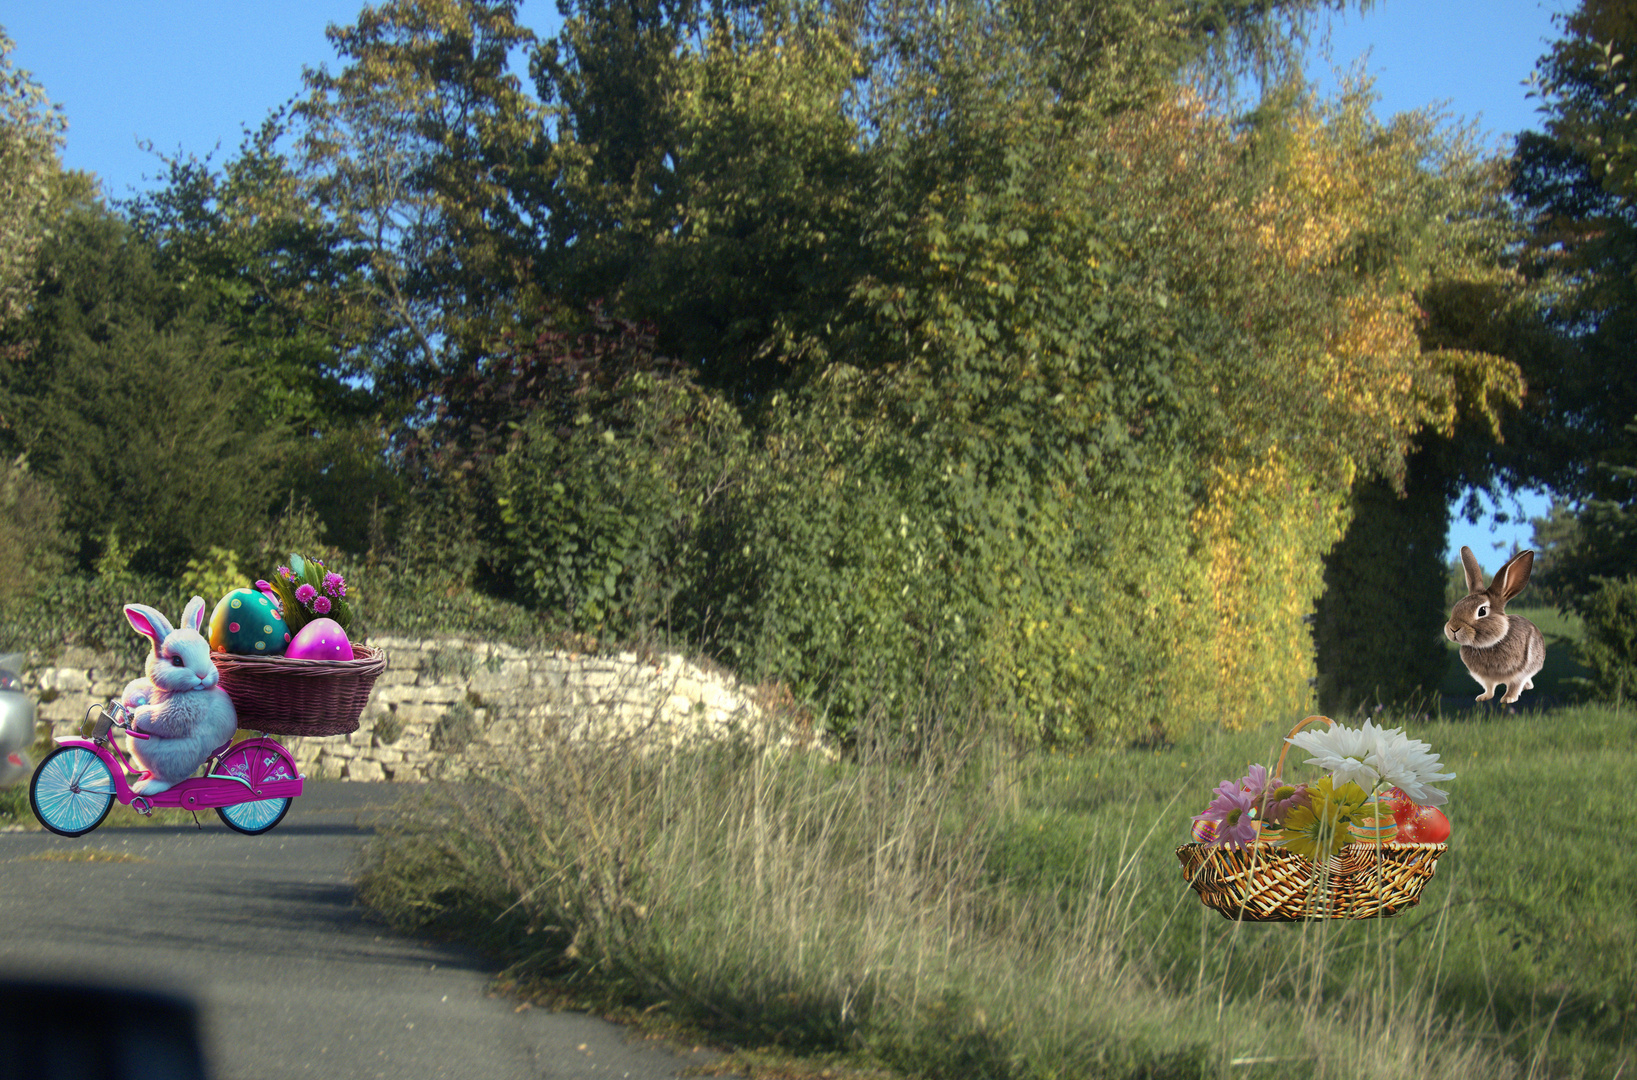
(189, 75)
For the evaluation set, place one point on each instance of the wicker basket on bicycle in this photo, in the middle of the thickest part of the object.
(1263, 882)
(285, 696)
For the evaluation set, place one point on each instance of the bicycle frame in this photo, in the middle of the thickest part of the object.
(196, 793)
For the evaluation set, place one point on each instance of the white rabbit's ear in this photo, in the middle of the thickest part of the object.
(1474, 572)
(149, 623)
(193, 616)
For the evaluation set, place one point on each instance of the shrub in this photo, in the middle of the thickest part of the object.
(607, 516)
(30, 529)
(1610, 646)
(876, 558)
(85, 609)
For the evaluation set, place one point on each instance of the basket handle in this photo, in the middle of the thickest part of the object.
(1278, 773)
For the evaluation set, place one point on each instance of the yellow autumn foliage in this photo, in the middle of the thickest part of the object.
(1352, 205)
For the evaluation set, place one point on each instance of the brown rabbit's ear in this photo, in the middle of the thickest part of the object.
(1474, 572)
(1511, 578)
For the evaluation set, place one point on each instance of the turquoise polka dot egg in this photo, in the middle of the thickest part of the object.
(245, 622)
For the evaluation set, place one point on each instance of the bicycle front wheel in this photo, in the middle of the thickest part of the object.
(255, 764)
(72, 791)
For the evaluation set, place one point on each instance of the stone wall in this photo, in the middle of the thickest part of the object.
(443, 705)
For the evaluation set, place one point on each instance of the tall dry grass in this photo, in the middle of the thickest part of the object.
(776, 898)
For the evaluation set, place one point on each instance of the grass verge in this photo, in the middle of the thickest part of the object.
(978, 913)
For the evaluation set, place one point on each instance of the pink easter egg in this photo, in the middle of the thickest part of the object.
(321, 639)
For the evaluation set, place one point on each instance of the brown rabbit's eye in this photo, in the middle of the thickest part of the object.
(1482, 612)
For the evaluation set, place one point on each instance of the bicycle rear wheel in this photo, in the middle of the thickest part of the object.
(255, 764)
(72, 791)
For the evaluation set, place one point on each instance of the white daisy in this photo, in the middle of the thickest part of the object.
(1345, 752)
(1407, 765)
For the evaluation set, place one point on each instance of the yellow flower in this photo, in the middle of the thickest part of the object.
(1318, 828)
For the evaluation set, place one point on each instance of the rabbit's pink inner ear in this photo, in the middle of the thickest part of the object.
(142, 624)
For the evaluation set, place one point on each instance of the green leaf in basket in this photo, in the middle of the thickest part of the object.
(298, 565)
(295, 616)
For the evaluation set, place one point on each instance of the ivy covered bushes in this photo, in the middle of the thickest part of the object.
(1005, 363)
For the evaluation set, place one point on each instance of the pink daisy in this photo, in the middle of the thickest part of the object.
(1231, 813)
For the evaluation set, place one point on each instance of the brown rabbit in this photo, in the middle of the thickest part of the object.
(1496, 647)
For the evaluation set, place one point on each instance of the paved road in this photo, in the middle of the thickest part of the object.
(292, 979)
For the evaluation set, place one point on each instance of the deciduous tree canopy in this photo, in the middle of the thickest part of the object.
(969, 341)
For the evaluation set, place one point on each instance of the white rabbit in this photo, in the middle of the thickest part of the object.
(179, 705)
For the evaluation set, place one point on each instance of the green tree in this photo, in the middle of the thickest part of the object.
(31, 131)
(1610, 646)
(1378, 628)
(127, 403)
(734, 173)
(1449, 246)
(1059, 324)
(417, 156)
(716, 189)
(1578, 179)
(265, 264)
(1552, 537)
(282, 282)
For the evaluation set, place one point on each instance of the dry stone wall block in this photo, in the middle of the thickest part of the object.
(481, 702)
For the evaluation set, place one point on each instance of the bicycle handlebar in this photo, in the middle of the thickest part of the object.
(116, 715)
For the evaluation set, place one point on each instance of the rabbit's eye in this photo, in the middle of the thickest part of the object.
(1483, 611)
(176, 661)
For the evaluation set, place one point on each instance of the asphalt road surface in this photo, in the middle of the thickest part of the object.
(292, 979)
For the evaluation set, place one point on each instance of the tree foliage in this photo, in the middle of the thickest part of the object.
(261, 262)
(414, 155)
(1578, 179)
(30, 520)
(961, 342)
(1610, 647)
(1023, 334)
(258, 259)
(31, 131)
(128, 404)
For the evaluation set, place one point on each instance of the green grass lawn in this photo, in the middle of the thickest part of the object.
(985, 914)
(1527, 936)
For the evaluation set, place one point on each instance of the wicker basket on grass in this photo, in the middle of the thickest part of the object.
(1263, 882)
(283, 696)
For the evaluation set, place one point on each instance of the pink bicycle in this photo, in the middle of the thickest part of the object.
(248, 783)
